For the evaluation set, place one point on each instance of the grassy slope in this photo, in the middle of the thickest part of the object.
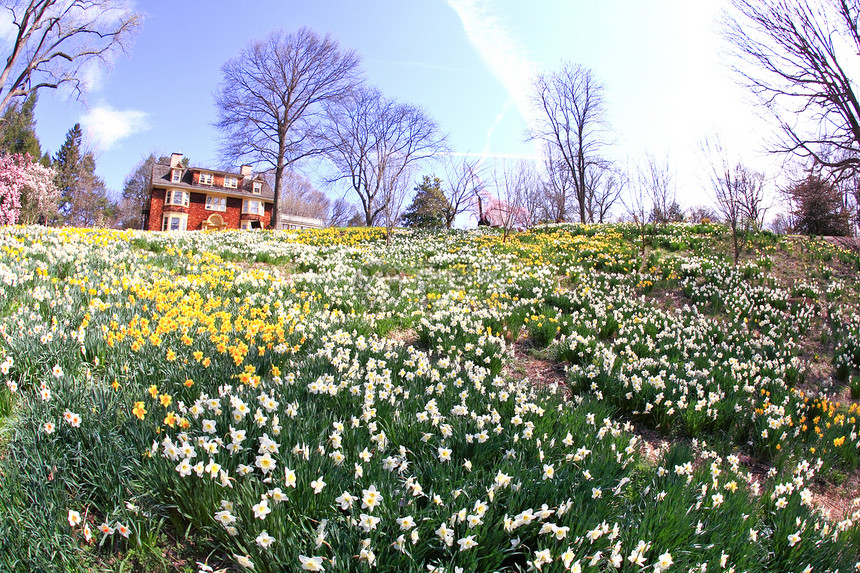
(793, 261)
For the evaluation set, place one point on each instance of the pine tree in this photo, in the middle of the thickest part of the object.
(818, 208)
(67, 163)
(18, 129)
(92, 207)
(428, 207)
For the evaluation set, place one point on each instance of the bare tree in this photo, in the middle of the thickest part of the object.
(557, 187)
(506, 207)
(753, 199)
(55, 39)
(374, 140)
(782, 224)
(270, 101)
(657, 178)
(299, 197)
(533, 194)
(461, 185)
(798, 58)
(395, 189)
(639, 205)
(571, 102)
(604, 185)
(342, 211)
(739, 193)
(850, 189)
(702, 214)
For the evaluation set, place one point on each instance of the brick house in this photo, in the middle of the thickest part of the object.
(193, 198)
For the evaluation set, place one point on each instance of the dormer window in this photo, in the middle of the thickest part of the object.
(177, 176)
(231, 182)
(205, 178)
(258, 187)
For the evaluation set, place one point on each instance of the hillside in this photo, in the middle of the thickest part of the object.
(319, 401)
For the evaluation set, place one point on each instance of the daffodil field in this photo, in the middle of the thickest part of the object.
(319, 401)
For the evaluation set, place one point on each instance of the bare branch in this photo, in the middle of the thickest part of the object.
(462, 184)
(738, 190)
(795, 57)
(571, 102)
(55, 39)
(270, 101)
(373, 141)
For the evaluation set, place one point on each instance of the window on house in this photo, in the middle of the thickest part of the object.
(177, 176)
(246, 225)
(216, 203)
(174, 222)
(176, 197)
(258, 187)
(206, 179)
(231, 182)
(252, 207)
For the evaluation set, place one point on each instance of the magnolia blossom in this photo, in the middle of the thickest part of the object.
(12, 175)
(38, 193)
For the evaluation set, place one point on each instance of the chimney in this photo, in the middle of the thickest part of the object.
(245, 170)
(175, 159)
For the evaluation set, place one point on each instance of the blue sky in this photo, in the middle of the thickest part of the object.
(468, 63)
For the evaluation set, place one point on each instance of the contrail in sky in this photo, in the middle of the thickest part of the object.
(506, 60)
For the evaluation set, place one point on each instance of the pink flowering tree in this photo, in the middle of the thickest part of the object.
(500, 213)
(505, 206)
(13, 172)
(27, 190)
(38, 194)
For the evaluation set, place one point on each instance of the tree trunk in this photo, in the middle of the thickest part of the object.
(735, 241)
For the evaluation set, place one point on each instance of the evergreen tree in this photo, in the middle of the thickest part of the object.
(674, 214)
(92, 206)
(84, 199)
(18, 129)
(67, 165)
(429, 205)
(818, 208)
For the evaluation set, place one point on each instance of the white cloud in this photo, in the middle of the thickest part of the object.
(8, 31)
(105, 126)
(92, 75)
(505, 58)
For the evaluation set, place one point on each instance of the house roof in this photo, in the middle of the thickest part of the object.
(161, 178)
